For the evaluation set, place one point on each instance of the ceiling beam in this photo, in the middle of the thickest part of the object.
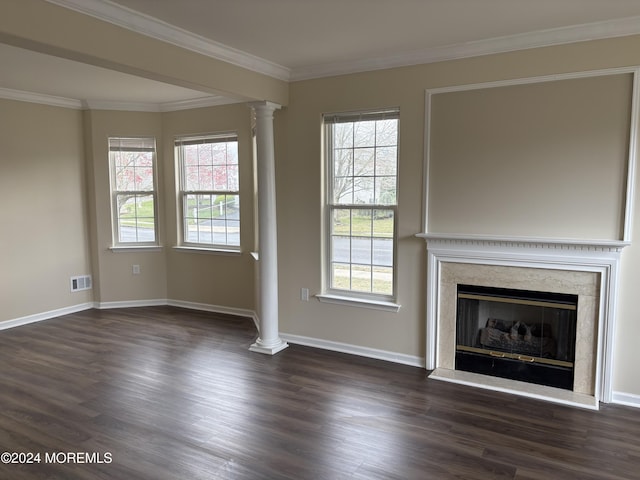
(47, 28)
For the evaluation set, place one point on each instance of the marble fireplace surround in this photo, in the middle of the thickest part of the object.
(588, 269)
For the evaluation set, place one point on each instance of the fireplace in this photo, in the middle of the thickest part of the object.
(577, 278)
(521, 335)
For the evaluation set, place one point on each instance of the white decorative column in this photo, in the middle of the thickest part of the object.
(269, 341)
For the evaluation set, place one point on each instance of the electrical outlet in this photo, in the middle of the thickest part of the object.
(135, 269)
(304, 294)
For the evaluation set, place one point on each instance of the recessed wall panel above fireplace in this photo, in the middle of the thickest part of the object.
(535, 157)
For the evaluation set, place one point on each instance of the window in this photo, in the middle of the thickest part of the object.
(133, 190)
(362, 161)
(209, 191)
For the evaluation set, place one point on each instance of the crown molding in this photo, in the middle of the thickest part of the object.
(152, 27)
(211, 101)
(22, 96)
(130, 19)
(524, 41)
(30, 97)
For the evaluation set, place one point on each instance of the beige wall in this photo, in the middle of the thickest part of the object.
(167, 274)
(113, 269)
(43, 240)
(211, 278)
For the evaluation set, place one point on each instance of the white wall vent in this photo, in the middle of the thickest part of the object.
(81, 282)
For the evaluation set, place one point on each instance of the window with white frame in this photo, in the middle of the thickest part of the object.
(209, 190)
(133, 189)
(361, 211)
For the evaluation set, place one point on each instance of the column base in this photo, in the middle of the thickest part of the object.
(271, 349)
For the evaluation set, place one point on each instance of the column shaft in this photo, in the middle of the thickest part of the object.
(269, 341)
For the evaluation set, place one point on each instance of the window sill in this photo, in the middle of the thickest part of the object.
(359, 302)
(207, 251)
(135, 248)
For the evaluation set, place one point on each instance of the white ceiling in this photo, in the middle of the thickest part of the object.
(296, 39)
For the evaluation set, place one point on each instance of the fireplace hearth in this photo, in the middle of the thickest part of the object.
(521, 335)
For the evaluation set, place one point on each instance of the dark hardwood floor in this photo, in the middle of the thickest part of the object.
(166, 393)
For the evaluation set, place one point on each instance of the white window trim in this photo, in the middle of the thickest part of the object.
(349, 297)
(359, 302)
(183, 244)
(116, 244)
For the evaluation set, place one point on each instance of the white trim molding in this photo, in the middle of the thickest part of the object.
(40, 98)
(627, 399)
(39, 317)
(598, 256)
(359, 302)
(351, 349)
(524, 41)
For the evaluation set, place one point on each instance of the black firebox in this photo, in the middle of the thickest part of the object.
(517, 334)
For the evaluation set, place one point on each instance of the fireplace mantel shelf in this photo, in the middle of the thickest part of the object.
(525, 242)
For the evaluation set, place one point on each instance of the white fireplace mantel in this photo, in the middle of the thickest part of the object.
(596, 256)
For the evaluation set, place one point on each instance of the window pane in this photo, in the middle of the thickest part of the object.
(383, 252)
(144, 172)
(364, 134)
(340, 248)
(383, 280)
(363, 163)
(361, 223)
(136, 218)
(233, 181)
(341, 224)
(343, 163)
(343, 135)
(361, 278)
(220, 177)
(204, 154)
(385, 191)
(205, 177)
(386, 160)
(233, 232)
(341, 276)
(383, 223)
(219, 153)
(190, 155)
(343, 190)
(363, 190)
(125, 178)
(361, 250)
(386, 132)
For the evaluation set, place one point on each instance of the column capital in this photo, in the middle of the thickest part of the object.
(264, 106)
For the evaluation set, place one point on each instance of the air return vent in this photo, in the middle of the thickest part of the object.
(81, 282)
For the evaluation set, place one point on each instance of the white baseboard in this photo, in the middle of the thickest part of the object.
(131, 304)
(205, 307)
(628, 399)
(355, 350)
(39, 317)
(241, 312)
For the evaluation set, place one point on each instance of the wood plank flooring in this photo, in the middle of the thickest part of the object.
(166, 393)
